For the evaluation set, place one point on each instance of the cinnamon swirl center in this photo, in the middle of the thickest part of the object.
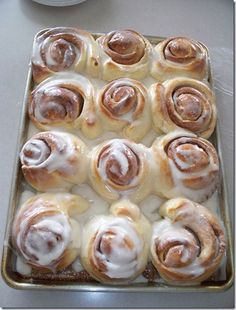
(180, 50)
(124, 47)
(56, 104)
(119, 163)
(120, 100)
(116, 249)
(63, 53)
(189, 108)
(188, 154)
(35, 152)
(60, 48)
(45, 237)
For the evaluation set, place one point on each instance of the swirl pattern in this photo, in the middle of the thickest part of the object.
(117, 168)
(114, 248)
(55, 104)
(188, 244)
(189, 166)
(43, 232)
(124, 53)
(64, 101)
(124, 47)
(183, 103)
(123, 105)
(120, 164)
(54, 160)
(181, 50)
(61, 49)
(180, 56)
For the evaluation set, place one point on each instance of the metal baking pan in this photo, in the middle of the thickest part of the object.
(15, 280)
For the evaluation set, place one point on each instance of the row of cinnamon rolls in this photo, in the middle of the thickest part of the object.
(124, 106)
(177, 164)
(186, 245)
(121, 53)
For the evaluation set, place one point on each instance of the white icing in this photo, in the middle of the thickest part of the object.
(76, 233)
(213, 203)
(40, 233)
(193, 155)
(178, 176)
(39, 149)
(56, 160)
(25, 195)
(116, 152)
(150, 207)
(97, 204)
(149, 81)
(168, 231)
(119, 84)
(48, 57)
(80, 53)
(121, 262)
(76, 265)
(32, 130)
(149, 138)
(195, 268)
(22, 267)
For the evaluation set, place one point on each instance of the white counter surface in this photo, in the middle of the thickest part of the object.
(208, 21)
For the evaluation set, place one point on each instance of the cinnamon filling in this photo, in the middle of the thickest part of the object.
(60, 47)
(120, 100)
(35, 152)
(124, 47)
(63, 53)
(116, 171)
(188, 154)
(189, 108)
(180, 50)
(59, 104)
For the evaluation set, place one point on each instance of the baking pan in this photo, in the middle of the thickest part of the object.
(17, 281)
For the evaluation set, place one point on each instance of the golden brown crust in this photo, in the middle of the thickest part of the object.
(124, 53)
(42, 226)
(67, 105)
(65, 101)
(183, 103)
(125, 47)
(123, 107)
(115, 246)
(119, 167)
(188, 245)
(63, 48)
(180, 56)
(54, 160)
(186, 165)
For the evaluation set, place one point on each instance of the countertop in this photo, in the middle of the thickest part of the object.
(210, 22)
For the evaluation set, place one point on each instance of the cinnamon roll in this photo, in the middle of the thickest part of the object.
(183, 103)
(45, 233)
(64, 49)
(123, 107)
(185, 166)
(188, 244)
(65, 100)
(179, 56)
(54, 161)
(124, 53)
(120, 168)
(115, 247)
